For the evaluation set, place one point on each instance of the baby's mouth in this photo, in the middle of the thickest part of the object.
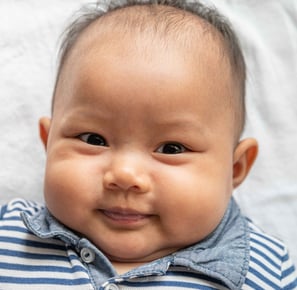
(124, 215)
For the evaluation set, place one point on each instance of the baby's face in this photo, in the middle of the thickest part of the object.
(140, 147)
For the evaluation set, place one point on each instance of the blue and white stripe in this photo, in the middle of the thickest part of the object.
(270, 266)
(28, 260)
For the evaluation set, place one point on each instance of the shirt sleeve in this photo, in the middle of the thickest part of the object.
(289, 277)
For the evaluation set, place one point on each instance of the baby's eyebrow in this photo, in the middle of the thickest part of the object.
(181, 123)
(79, 113)
(167, 121)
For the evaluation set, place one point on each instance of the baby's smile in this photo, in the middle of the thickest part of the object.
(125, 216)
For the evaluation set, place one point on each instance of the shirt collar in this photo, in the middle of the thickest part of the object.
(223, 255)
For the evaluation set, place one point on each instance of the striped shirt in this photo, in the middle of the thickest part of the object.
(31, 262)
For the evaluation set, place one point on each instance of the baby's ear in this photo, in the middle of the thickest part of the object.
(44, 127)
(244, 157)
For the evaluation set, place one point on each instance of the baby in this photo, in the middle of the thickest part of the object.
(143, 154)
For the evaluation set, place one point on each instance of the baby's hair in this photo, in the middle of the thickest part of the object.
(212, 21)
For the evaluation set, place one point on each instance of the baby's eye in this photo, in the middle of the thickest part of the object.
(171, 148)
(93, 139)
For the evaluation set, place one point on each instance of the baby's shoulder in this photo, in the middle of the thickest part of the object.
(12, 210)
(261, 242)
(270, 266)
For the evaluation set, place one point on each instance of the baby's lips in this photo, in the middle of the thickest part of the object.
(124, 214)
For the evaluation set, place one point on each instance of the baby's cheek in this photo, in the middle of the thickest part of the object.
(58, 187)
(69, 190)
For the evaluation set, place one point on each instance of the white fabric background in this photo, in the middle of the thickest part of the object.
(29, 31)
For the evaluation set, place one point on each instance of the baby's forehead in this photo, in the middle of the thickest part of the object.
(146, 32)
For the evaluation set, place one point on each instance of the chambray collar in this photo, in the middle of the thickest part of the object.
(223, 255)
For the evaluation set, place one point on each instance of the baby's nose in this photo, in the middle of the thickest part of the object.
(127, 174)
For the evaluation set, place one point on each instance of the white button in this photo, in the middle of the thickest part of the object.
(87, 255)
(112, 287)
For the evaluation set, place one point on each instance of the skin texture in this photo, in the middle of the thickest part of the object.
(140, 149)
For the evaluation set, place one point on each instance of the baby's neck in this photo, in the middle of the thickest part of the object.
(124, 267)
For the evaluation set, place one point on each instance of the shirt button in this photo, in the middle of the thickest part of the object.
(112, 287)
(87, 255)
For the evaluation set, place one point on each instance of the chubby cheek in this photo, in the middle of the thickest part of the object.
(69, 189)
(194, 203)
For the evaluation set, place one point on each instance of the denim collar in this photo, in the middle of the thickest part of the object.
(223, 255)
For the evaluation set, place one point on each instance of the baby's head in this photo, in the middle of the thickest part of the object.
(143, 146)
(173, 23)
